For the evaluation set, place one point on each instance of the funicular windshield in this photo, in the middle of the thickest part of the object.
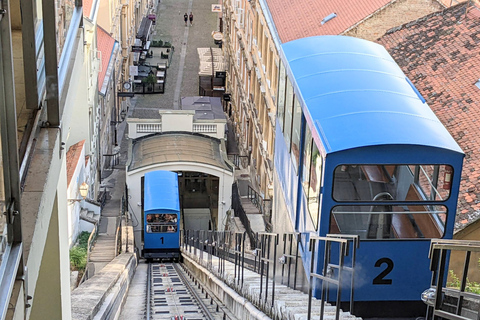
(391, 201)
(161, 222)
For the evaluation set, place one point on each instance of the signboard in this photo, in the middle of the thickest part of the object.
(216, 8)
(218, 36)
(227, 96)
(134, 70)
(126, 94)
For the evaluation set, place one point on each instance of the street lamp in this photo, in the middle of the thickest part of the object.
(83, 192)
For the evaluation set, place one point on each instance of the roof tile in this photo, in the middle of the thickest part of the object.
(105, 44)
(440, 53)
(299, 25)
(73, 156)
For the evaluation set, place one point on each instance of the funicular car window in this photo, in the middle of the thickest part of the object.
(389, 221)
(380, 182)
(419, 187)
(161, 222)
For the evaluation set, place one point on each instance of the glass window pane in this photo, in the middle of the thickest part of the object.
(288, 114)
(377, 182)
(307, 159)
(297, 126)
(161, 222)
(316, 168)
(281, 95)
(389, 222)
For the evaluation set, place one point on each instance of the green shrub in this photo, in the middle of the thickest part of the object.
(83, 239)
(78, 253)
(473, 287)
(78, 258)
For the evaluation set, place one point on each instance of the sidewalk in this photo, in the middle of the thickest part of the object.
(114, 184)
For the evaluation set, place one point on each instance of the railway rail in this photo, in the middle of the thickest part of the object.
(173, 293)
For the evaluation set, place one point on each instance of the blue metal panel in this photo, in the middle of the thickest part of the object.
(161, 195)
(355, 95)
(161, 191)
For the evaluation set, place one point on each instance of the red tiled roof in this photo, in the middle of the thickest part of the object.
(73, 156)
(87, 7)
(105, 44)
(293, 19)
(440, 53)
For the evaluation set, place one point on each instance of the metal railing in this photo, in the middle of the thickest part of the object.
(102, 197)
(112, 160)
(332, 274)
(267, 260)
(436, 299)
(241, 161)
(229, 246)
(290, 256)
(240, 213)
(90, 243)
(118, 236)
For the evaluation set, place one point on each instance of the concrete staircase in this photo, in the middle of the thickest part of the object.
(103, 252)
(89, 216)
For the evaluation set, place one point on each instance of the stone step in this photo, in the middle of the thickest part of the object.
(104, 249)
(249, 207)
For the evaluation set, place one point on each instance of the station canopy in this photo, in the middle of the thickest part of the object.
(174, 147)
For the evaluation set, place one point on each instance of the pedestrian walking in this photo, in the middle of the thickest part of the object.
(185, 17)
(191, 18)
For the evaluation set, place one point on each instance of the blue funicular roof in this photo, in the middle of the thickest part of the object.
(357, 96)
(161, 191)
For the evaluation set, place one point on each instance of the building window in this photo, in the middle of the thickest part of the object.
(287, 133)
(281, 95)
(296, 131)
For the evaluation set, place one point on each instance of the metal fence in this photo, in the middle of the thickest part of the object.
(266, 257)
(450, 303)
(239, 212)
(332, 273)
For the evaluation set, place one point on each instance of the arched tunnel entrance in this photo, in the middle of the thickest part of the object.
(198, 200)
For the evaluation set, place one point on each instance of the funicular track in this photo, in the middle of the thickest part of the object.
(173, 293)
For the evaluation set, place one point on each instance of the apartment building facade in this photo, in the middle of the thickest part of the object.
(49, 102)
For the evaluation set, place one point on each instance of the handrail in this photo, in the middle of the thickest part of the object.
(118, 236)
(239, 212)
(91, 239)
(229, 246)
(435, 298)
(290, 257)
(331, 273)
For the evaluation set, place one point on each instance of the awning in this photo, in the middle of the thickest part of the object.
(211, 60)
(108, 46)
(144, 30)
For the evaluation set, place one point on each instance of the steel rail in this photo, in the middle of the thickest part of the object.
(149, 287)
(193, 292)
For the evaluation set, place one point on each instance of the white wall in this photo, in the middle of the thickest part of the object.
(177, 121)
(133, 180)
